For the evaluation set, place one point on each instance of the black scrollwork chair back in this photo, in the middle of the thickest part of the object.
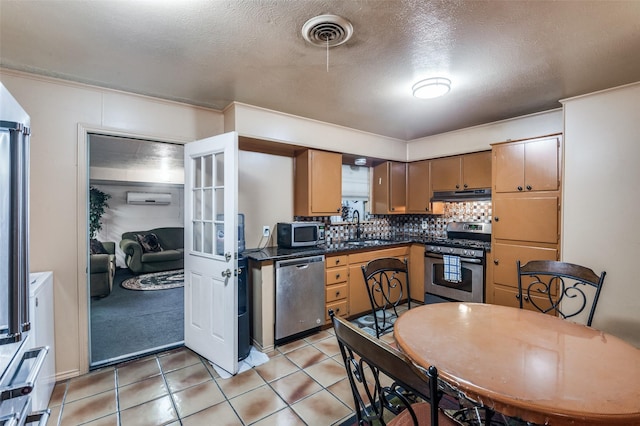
(387, 281)
(546, 284)
(412, 398)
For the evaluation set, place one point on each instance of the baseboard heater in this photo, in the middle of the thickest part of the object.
(149, 198)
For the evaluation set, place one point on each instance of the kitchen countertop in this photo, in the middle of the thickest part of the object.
(275, 253)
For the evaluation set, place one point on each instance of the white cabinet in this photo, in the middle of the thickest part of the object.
(42, 334)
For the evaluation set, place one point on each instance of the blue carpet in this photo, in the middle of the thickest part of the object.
(129, 321)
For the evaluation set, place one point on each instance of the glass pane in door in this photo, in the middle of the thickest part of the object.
(219, 169)
(208, 168)
(208, 204)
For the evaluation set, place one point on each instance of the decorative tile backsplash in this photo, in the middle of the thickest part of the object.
(406, 226)
(476, 211)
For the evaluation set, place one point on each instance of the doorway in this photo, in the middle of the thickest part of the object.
(126, 323)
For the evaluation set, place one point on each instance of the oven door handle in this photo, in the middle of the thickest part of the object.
(462, 259)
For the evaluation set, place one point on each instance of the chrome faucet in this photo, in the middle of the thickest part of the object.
(356, 218)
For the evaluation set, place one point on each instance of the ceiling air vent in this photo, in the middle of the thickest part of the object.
(327, 30)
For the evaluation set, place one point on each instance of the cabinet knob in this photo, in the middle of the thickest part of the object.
(393, 208)
(529, 188)
(496, 261)
(337, 275)
(519, 188)
(465, 186)
(526, 298)
(338, 209)
(497, 219)
(457, 186)
(337, 293)
(337, 261)
(518, 296)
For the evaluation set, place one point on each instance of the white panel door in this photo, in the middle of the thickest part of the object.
(210, 249)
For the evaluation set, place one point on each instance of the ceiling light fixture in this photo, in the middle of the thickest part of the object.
(431, 88)
(360, 161)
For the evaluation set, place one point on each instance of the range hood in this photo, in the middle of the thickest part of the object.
(483, 194)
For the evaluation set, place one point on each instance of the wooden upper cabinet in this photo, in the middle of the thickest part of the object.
(418, 187)
(318, 183)
(476, 170)
(389, 188)
(468, 171)
(445, 174)
(527, 165)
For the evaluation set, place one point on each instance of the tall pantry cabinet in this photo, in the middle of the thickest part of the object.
(526, 211)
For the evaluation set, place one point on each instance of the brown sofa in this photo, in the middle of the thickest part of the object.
(102, 270)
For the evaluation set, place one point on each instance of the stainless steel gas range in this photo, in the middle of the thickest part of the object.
(455, 266)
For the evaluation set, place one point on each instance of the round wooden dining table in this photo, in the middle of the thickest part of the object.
(525, 364)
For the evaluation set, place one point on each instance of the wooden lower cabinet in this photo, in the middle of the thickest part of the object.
(340, 308)
(502, 288)
(358, 296)
(416, 272)
(345, 289)
(336, 286)
(505, 257)
(508, 296)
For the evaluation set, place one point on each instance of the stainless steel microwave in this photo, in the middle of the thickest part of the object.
(300, 234)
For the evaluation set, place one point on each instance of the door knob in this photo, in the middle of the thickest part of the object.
(227, 273)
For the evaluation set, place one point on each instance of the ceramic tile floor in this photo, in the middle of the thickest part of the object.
(303, 383)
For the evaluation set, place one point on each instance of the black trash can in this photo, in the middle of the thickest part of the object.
(244, 339)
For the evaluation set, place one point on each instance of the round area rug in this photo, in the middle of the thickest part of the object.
(156, 281)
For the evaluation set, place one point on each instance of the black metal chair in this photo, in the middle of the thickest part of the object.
(387, 281)
(547, 289)
(412, 398)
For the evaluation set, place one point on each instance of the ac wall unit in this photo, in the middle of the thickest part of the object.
(149, 198)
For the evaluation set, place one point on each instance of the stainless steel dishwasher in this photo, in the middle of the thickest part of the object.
(300, 295)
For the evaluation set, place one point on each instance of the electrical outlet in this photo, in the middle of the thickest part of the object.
(266, 231)
(425, 225)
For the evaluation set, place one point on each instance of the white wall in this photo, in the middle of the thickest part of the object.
(260, 123)
(479, 138)
(602, 201)
(56, 108)
(265, 194)
(121, 217)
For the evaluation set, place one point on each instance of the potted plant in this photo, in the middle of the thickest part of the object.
(97, 206)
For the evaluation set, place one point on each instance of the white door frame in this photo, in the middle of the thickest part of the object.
(82, 275)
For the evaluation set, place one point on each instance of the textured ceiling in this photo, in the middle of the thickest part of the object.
(505, 58)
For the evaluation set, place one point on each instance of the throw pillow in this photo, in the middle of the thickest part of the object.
(96, 247)
(149, 242)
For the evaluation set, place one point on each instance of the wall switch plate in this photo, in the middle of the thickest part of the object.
(266, 231)
(425, 225)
